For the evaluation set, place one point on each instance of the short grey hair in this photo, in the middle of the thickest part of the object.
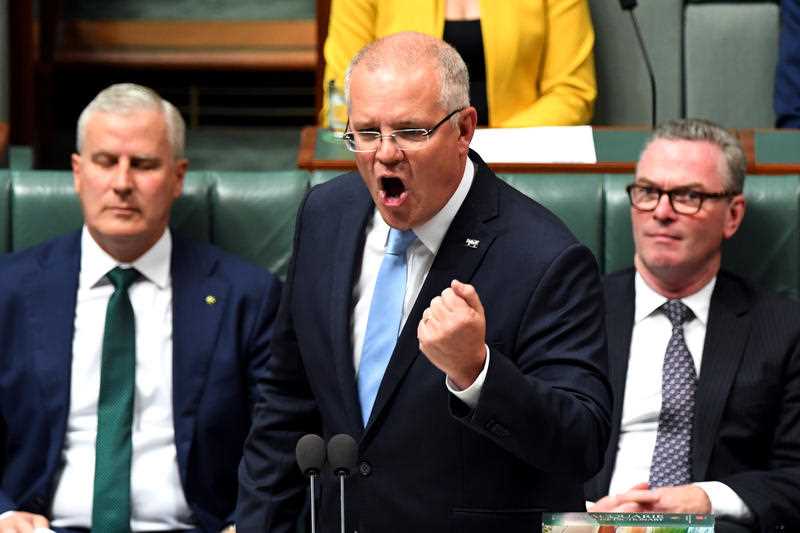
(127, 98)
(407, 50)
(697, 129)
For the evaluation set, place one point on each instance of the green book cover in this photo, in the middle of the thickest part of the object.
(627, 523)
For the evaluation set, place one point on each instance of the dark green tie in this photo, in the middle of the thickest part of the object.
(111, 507)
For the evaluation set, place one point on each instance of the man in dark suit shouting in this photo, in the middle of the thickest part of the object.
(449, 323)
(705, 367)
(128, 356)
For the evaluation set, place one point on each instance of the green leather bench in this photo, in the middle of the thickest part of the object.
(252, 214)
(247, 213)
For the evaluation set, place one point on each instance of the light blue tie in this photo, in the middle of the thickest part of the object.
(385, 316)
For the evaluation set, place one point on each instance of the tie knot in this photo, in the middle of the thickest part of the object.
(399, 241)
(677, 312)
(122, 278)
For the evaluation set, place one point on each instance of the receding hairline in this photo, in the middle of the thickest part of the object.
(408, 51)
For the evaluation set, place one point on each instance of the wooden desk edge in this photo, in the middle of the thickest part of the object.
(308, 141)
(308, 138)
(3, 143)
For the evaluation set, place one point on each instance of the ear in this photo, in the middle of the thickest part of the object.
(75, 160)
(466, 127)
(734, 215)
(181, 166)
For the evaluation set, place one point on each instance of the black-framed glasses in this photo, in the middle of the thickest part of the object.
(683, 200)
(405, 139)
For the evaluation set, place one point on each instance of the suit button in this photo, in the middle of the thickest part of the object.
(364, 468)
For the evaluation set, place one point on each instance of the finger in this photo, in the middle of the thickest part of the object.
(641, 486)
(603, 505)
(25, 525)
(469, 294)
(438, 310)
(40, 521)
(640, 496)
(630, 507)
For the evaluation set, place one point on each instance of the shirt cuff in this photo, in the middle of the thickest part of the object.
(471, 394)
(725, 503)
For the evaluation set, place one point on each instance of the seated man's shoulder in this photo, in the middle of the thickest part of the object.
(759, 297)
(338, 189)
(39, 255)
(230, 266)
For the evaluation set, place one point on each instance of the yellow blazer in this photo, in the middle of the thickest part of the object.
(539, 62)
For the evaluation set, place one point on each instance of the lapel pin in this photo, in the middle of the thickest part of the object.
(211, 300)
(472, 243)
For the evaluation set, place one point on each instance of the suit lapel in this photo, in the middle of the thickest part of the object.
(349, 249)
(621, 303)
(726, 337)
(53, 288)
(455, 260)
(198, 301)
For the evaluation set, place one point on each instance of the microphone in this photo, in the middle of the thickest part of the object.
(629, 5)
(342, 456)
(310, 453)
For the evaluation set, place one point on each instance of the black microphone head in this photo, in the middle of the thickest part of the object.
(310, 453)
(627, 5)
(342, 454)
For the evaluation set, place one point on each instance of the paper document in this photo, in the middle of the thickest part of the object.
(557, 144)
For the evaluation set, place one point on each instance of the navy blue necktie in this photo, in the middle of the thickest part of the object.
(671, 463)
(385, 317)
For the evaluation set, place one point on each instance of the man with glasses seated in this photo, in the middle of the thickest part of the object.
(450, 324)
(705, 367)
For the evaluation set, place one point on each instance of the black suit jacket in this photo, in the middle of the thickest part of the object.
(426, 462)
(219, 351)
(747, 424)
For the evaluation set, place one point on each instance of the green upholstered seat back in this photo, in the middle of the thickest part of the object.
(767, 246)
(575, 198)
(45, 205)
(617, 224)
(254, 215)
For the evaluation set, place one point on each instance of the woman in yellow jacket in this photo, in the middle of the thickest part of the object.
(539, 67)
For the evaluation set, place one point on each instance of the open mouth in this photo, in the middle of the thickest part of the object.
(393, 190)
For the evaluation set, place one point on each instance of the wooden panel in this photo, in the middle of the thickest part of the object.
(214, 45)
(195, 60)
(208, 34)
(3, 143)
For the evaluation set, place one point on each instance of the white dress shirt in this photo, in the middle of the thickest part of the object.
(642, 404)
(419, 258)
(157, 499)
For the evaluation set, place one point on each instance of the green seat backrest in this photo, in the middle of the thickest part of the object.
(766, 248)
(44, 205)
(575, 198)
(617, 223)
(254, 215)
